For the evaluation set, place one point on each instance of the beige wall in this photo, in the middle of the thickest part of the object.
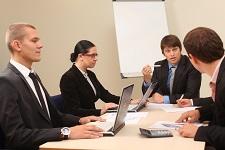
(61, 23)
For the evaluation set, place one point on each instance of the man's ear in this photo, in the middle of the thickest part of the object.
(193, 58)
(16, 44)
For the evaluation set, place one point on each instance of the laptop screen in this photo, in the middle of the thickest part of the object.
(147, 93)
(123, 106)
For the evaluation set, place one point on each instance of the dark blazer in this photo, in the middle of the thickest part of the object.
(214, 134)
(187, 80)
(79, 97)
(24, 123)
(202, 101)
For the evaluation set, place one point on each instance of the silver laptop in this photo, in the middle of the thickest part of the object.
(111, 128)
(141, 104)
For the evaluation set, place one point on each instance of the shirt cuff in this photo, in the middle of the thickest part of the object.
(146, 84)
(166, 99)
(192, 104)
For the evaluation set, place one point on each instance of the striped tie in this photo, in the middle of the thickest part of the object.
(171, 78)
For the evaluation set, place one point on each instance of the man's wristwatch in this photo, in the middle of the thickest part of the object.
(65, 132)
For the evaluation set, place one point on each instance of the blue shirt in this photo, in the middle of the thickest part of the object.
(166, 99)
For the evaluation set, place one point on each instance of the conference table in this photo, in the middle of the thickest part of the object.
(129, 137)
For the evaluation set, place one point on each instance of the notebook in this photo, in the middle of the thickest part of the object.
(111, 128)
(141, 104)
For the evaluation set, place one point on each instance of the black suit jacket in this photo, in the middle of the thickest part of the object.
(24, 123)
(202, 101)
(79, 97)
(214, 134)
(187, 80)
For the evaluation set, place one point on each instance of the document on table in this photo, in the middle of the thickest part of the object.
(168, 107)
(170, 125)
(131, 118)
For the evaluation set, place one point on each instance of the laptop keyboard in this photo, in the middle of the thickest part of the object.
(106, 126)
(131, 107)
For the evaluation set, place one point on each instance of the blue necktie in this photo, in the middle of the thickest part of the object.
(171, 78)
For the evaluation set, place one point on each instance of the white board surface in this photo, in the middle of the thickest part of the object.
(140, 26)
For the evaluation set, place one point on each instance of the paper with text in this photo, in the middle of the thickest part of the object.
(131, 118)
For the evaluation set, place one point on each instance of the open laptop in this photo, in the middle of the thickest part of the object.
(111, 128)
(141, 104)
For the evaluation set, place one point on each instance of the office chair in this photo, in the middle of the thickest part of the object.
(57, 100)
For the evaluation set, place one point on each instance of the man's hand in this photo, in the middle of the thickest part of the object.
(108, 106)
(88, 119)
(188, 130)
(147, 71)
(134, 101)
(189, 116)
(157, 98)
(85, 132)
(184, 102)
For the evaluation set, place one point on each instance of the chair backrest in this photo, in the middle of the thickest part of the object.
(58, 101)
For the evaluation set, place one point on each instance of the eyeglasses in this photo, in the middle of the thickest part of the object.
(91, 55)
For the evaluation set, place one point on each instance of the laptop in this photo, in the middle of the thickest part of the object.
(111, 128)
(141, 104)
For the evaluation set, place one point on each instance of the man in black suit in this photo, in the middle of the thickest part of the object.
(27, 117)
(186, 79)
(205, 50)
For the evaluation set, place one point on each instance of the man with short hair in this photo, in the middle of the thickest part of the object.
(27, 117)
(206, 52)
(175, 75)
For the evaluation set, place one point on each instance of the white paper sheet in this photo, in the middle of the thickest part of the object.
(170, 125)
(131, 118)
(168, 107)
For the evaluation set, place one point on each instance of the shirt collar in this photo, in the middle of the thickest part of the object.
(170, 65)
(22, 69)
(216, 71)
(84, 73)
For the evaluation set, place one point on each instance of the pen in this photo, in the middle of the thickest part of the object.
(179, 100)
(181, 97)
(155, 66)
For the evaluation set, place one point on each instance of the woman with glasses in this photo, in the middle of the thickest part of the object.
(80, 87)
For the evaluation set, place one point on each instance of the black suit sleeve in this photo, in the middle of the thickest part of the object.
(105, 95)
(72, 99)
(214, 135)
(206, 112)
(202, 101)
(144, 89)
(16, 130)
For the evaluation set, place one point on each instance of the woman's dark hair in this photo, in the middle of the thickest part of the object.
(81, 47)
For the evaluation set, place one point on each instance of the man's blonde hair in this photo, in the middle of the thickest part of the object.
(16, 31)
